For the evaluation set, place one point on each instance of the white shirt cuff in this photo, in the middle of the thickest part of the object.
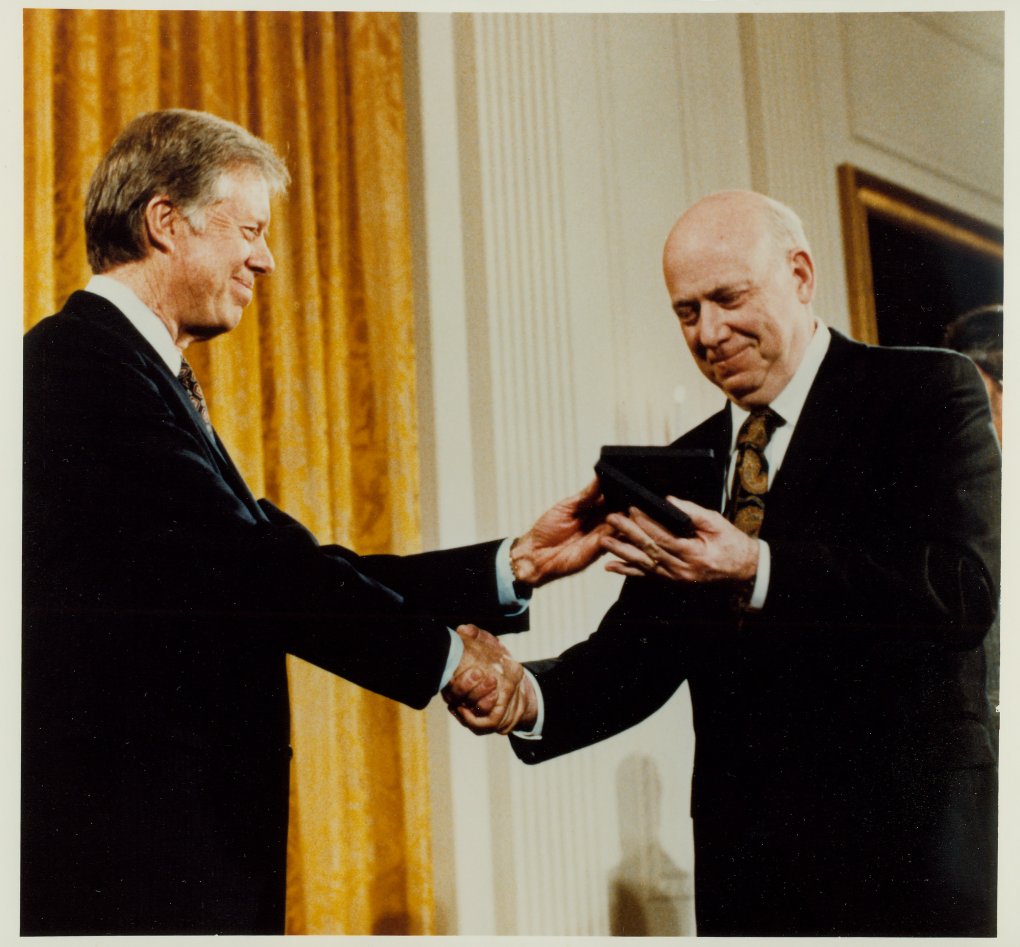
(761, 580)
(535, 733)
(508, 598)
(453, 659)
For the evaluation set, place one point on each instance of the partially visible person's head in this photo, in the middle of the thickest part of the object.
(178, 153)
(740, 277)
(978, 334)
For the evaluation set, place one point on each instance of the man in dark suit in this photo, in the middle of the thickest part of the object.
(829, 624)
(160, 598)
(977, 333)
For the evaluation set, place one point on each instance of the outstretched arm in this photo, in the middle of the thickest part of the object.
(564, 540)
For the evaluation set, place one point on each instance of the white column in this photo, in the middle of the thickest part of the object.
(584, 159)
(545, 827)
(795, 136)
(461, 788)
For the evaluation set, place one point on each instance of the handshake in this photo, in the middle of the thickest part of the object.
(489, 693)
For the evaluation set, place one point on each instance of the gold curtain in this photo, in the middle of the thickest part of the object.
(314, 392)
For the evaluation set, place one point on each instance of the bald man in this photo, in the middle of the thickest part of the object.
(828, 614)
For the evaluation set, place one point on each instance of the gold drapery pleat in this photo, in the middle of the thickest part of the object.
(314, 392)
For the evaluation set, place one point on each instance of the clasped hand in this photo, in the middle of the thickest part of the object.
(489, 692)
(717, 552)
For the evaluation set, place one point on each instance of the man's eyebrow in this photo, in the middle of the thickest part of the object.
(726, 289)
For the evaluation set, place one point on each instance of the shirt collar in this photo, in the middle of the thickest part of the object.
(152, 328)
(789, 403)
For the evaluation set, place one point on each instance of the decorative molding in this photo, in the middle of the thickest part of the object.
(927, 67)
(534, 420)
(981, 31)
(460, 783)
(710, 103)
(793, 149)
(527, 298)
(864, 195)
(610, 165)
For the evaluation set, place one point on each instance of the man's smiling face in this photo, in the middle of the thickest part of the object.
(742, 297)
(219, 254)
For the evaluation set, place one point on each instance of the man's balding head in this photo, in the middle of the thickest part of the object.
(741, 278)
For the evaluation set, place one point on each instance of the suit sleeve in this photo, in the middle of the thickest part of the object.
(456, 586)
(125, 509)
(917, 552)
(619, 676)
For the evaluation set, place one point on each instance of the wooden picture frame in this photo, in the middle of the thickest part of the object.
(912, 263)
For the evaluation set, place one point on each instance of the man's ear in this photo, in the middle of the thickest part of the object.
(163, 223)
(803, 269)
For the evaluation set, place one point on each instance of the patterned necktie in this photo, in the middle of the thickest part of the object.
(746, 508)
(187, 378)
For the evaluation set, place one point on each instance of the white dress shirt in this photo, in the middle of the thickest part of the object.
(152, 328)
(787, 404)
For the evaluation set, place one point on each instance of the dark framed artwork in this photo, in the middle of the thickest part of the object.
(913, 264)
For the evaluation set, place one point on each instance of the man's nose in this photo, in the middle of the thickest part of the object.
(261, 259)
(712, 326)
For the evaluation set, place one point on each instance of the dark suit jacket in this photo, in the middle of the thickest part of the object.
(842, 713)
(160, 600)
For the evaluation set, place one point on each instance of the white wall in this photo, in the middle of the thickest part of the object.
(551, 154)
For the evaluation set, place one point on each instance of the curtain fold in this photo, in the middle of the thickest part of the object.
(314, 392)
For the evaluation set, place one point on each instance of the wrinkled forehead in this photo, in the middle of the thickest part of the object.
(244, 185)
(702, 255)
(240, 179)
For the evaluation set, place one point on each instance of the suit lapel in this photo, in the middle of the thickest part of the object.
(823, 435)
(98, 309)
(713, 434)
(233, 476)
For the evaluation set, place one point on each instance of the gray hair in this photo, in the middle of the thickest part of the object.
(787, 229)
(177, 152)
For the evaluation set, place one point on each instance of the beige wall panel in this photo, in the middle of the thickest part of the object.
(927, 95)
(558, 150)
(797, 127)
